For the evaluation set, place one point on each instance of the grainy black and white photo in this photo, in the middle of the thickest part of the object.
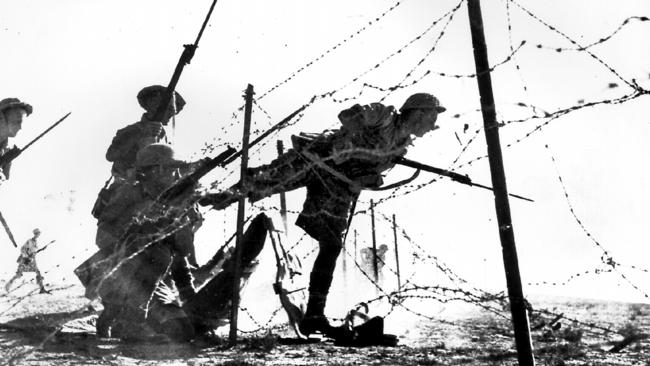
(291, 182)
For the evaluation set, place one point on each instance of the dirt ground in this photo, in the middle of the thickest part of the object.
(56, 329)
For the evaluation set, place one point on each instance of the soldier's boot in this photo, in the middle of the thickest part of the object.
(105, 320)
(320, 281)
(315, 320)
(39, 280)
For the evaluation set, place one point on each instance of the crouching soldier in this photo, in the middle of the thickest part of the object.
(142, 272)
(335, 167)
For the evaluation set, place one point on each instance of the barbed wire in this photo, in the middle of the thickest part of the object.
(606, 257)
(330, 50)
(378, 64)
(555, 116)
(444, 74)
(632, 84)
(438, 293)
(600, 40)
(430, 52)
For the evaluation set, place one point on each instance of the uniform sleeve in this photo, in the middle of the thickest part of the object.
(182, 276)
(118, 206)
(125, 140)
(27, 250)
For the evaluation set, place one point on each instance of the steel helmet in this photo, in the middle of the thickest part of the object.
(156, 154)
(154, 91)
(422, 101)
(8, 103)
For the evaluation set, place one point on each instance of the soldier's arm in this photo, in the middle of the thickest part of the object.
(181, 270)
(123, 141)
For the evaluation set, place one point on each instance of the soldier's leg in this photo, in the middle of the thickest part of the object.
(39, 280)
(325, 218)
(18, 274)
(106, 319)
(211, 304)
(287, 172)
(320, 281)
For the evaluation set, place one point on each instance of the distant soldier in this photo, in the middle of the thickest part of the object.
(368, 258)
(27, 262)
(335, 167)
(148, 244)
(12, 113)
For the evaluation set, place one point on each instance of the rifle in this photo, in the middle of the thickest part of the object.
(190, 180)
(12, 154)
(463, 179)
(44, 247)
(186, 57)
(222, 159)
(9, 234)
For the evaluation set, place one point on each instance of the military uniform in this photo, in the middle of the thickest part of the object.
(27, 263)
(126, 144)
(335, 167)
(120, 236)
(4, 168)
(5, 105)
(153, 292)
(142, 272)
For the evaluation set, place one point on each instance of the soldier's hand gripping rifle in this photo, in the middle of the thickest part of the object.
(189, 181)
(12, 154)
(453, 175)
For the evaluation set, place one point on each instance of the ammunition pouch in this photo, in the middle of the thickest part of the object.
(103, 197)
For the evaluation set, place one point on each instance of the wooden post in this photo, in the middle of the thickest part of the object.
(497, 171)
(355, 246)
(241, 208)
(375, 268)
(283, 197)
(399, 276)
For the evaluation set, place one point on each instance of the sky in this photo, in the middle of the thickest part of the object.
(585, 170)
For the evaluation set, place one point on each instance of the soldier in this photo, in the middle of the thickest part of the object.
(130, 139)
(12, 113)
(335, 167)
(147, 244)
(27, 262)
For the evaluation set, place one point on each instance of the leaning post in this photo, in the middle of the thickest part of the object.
(399, 276)
(283, 197)
(497, 171)
(375, 267)
(241, 208)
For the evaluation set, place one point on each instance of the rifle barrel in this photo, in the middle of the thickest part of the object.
(186, 57)
(266, 133)
(45, 132)
(453, 175)
(189, 180)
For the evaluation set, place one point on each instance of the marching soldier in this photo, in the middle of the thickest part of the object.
(27, 262)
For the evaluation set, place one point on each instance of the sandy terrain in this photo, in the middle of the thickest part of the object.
(57, 330)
